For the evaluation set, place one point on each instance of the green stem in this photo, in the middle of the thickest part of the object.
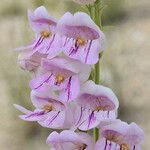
(97, 73)
(97, 19)
(95, 13)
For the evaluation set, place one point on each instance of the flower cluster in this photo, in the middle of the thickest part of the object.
(61, 58)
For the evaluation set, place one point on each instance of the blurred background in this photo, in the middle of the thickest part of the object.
(125, 66)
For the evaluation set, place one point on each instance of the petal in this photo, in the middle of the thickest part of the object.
(93, 95)
(90, 54)
(103, 144)
(39, 82)
(71, 90)
(30, 63)
(33, 116)
(29, 115)
(40, 19)
(59, 65)
(67, 67)
(22, 109)
(72, 26)
(50, 46)
(53, 138)
(54, 119)
(61, 141)
(69, 140)
(117, 129)
(108, 122)
(70, 120)
(134, 135)
(39, 100)
(90, 121)
(87, 54)
(86, 139)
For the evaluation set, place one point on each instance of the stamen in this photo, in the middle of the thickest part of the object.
(101, 108)
(80, 41)
(124, 146)
(45, 34)
(59, 78)
(47, 108)
(111, 136)
(82, 147)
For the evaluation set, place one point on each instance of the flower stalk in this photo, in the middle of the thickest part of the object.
(95, 13)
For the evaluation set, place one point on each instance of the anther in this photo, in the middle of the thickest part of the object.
(124, 147)
(45, 34)
(47, 108)
(59, 78)
(80, 41)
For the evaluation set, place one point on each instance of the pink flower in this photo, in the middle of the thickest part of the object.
(61, 74)
(83, 40)
(49, 110)
(84, 2)
(30, 62)
(96, 103)
(46, 39)
(69, 140)
(120, 136)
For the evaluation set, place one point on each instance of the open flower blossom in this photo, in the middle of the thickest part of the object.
(30, 62)
(84, 2)
(49, 110)
(120, 136)
(69, 140)
(97, 103)
(46, 39)
(82, 39)
(62, 74)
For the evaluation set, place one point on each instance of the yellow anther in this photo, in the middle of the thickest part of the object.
(101, 108)
(80, 41)
(124, 147)
(45, 34)
(48, 108)
(59, 78)
(98, 108)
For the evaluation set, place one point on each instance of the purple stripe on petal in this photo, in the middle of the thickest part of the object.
(38, 42)
(90, 118)
(44, 81)
(80, 116)
(68, 88)
(116, 147)
(108, 114)
(65, 41)
(105, 145)
(134, 147)
(73, 49)
(35, 114)
(88, 50)
(49, 46)
(110, 145)
(45, 21)
(53, 118)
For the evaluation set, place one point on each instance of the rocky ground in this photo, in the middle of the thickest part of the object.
(125, 68)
